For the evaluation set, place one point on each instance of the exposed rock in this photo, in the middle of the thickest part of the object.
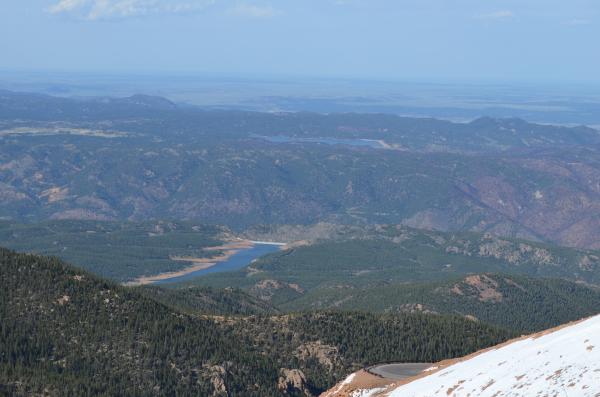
(415, 308)
(9, 194)
(55, 194)
(293, 381)
(266, 289)
(588, 262)
(429, 219)
(63, 300)
(19, 167)
(485, 288)
(326, 355)
(216, 374)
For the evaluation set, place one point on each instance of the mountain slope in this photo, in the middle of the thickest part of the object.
(67, 332)
(207, 300)
(395, 253)
(140, 158)
(563, 361)
(120, 251)
(520, 303)
(560, 361)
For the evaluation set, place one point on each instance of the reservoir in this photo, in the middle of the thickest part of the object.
(240, 259)
(361, 142)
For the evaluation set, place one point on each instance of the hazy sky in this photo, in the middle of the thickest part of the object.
(437, 40)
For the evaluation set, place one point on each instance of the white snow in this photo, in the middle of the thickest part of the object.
(366, 392)
(349, 379)
(565, 362)
(345, 382)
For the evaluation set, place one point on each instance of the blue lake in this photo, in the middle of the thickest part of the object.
(237, 261)
(371, 143)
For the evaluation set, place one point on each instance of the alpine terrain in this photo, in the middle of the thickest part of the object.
(560, 361)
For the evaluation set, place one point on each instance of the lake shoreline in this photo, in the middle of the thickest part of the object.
(229, 249)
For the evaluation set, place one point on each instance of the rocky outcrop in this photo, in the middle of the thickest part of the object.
(293, 381)
(266, 289)
(326, 355)
(216, 375)
(481, 286)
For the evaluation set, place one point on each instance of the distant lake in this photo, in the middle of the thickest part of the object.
(371, 143)
(237, 261)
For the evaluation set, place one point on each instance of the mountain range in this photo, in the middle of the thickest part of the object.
(145, 157)
(392, 239)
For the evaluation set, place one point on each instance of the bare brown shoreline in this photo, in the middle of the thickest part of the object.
(229, 249)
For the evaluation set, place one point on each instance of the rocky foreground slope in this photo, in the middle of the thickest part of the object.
(562, 361)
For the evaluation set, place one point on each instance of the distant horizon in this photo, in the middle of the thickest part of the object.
(547, 103)
(73, 74)
(384, 40)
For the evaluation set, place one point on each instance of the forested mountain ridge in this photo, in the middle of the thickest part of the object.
(380, 268)
(518, 284)
(207, 300)
(520, 303)
(359, 257)
(484, 133)
(356, 253)
(120, 251)
(141, 157)
(67, 332)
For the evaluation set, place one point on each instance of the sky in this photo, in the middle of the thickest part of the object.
(421, 40)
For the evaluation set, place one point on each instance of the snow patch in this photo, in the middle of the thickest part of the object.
(349, 379)
(556, 363)
(345, 382)
(366, 392)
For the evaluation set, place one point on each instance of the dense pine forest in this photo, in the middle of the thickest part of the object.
(120, 251)
(520, 303)
(67, 332)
